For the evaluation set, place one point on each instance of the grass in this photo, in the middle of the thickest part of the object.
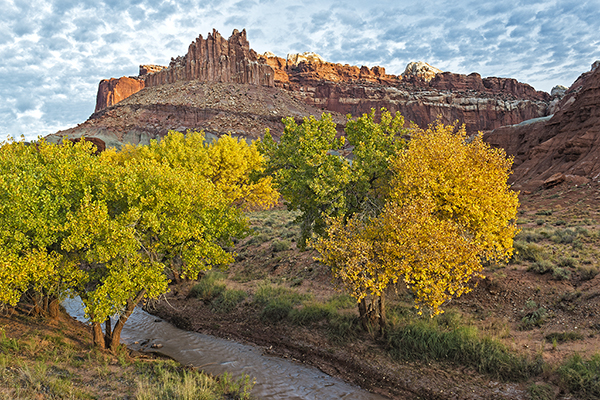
(581, 376)
(55, 366)
(447, 338)
(277, 301)
(209, 287)
(168, 380)
(563, 337)
(213, 290)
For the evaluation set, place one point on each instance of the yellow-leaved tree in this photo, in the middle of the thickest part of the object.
(448, 209)
(115, 228)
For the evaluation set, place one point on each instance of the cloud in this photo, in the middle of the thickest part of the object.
(55, 52)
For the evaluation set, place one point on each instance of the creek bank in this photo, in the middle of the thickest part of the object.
(361, 361)
(276, 378)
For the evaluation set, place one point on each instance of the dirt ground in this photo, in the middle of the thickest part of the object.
(503, 304)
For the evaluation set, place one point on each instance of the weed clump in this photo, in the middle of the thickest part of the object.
(581, 376)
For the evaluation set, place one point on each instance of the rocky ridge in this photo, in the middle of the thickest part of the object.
(422, 93)
(222, 85)
(560, 147)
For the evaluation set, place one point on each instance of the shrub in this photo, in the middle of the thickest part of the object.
(567, 262)
(587, 273)
(541, 267)
(544, 212)
(209, 287)
(581, 376)
(280, 245)
(533, 319)
(563, 236)
(562, 337)
(527, 252)
(561, 274)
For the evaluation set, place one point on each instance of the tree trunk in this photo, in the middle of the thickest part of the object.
(107, 331)
(382, 319)
(98, 336)
(116, 333)
(54, 308)
(362, 312)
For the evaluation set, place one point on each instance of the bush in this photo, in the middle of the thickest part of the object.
(581, 376)
(527, 252)
(541, 267)
(561, 274)
(280, 245)
(587, 273)
(563, 236)
(544, 212)
(533, 319)
(209, 287)
(567, 262)
(563, 337)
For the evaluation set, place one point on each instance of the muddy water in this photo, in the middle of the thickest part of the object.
(276, 378)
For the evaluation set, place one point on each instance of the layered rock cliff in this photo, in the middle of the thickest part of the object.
(111, 91)
(564, 146)
(147, 106)
(216, 59)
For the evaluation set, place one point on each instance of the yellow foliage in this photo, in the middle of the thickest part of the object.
(448, 209)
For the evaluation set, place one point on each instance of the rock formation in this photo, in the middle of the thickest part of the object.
(216, 59)
(193, 93)
(420, 70)
(567, 143)
(111, 91)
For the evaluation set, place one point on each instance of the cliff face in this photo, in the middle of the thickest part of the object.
(422, 94)
(565, 145)
(111, 91)
(216, 59)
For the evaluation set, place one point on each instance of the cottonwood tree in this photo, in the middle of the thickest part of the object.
(448, 208)
(109, 228)
(313, 177)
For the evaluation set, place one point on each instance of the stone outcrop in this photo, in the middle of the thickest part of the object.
(216, 59)
(422, 94)
(567, 143)
(111, 91)
(420, 70)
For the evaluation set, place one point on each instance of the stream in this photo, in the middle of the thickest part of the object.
(276, 378)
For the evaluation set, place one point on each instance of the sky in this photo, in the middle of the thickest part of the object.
(53, 53)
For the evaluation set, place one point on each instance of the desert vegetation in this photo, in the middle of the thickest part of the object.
(384, 255)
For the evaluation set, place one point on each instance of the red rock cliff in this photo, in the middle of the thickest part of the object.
(111, 91)
(216, 59)
(568, 143)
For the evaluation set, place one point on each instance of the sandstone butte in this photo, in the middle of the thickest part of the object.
(222, 85)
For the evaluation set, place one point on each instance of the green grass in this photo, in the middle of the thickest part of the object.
(209, 287)
(167, 380)
(277, 301)
(228, 300)
(581, 376)
(448, 339)
(563, 337)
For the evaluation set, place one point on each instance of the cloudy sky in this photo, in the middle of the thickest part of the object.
(53, 53)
